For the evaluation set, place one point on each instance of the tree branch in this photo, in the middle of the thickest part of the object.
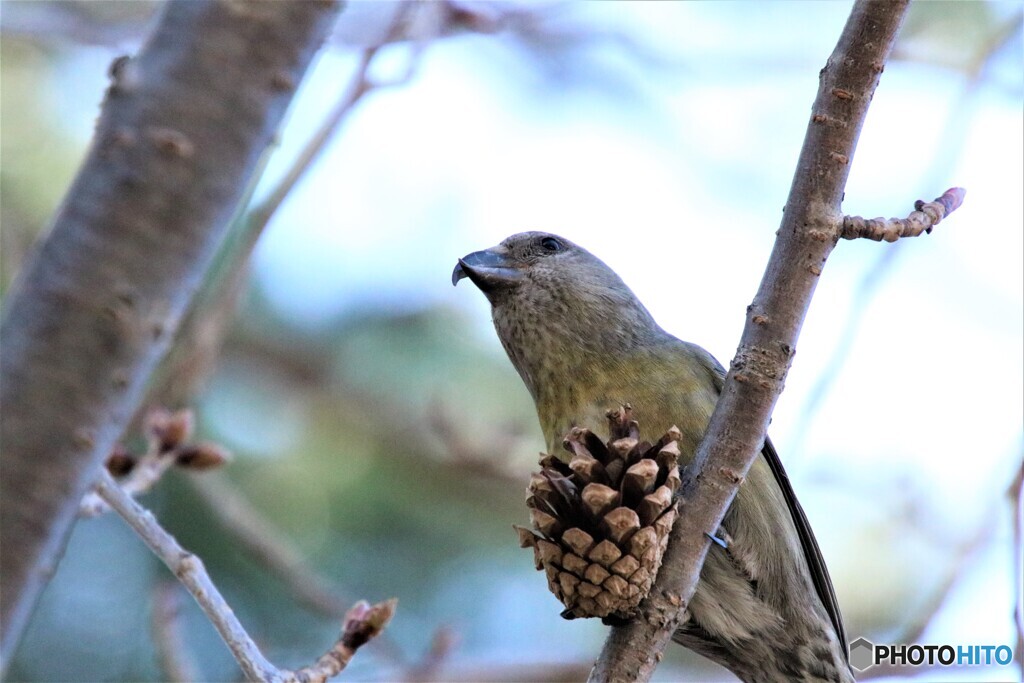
(192, 573)
(272, 550)
(811, 227)
(362, 622)
(181, 130)
(926, 216)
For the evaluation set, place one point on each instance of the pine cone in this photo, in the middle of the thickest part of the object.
(604, 518)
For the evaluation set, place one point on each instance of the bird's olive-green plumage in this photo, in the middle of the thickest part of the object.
(583, 343)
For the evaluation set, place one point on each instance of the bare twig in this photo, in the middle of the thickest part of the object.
(146, 473)
(140, 475)
(192, 573)
(810, 228)
(176, 663)
(362, 622)
(926, 216)
(359, 86)
(203, 332)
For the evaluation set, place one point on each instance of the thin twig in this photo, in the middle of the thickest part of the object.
(358, 86)
(202, 335)
(146, 473)
(95, 310)
(192, 573)
(926, 216)
(164, 431)
(362, 621)
(176, 662)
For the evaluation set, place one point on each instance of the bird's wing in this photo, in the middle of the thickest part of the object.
(815, 562)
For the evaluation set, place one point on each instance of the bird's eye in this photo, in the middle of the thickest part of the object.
(551, 244)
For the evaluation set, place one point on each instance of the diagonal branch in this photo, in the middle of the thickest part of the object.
(192, 573)
(361, 624)
(954, 136)
(182, 128)
(810, 229)
(360, 85)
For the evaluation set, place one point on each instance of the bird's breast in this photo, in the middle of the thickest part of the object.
(662, 394)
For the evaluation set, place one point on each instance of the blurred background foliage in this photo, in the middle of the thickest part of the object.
(376, 424)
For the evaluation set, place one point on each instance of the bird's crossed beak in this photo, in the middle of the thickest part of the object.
(488, 269)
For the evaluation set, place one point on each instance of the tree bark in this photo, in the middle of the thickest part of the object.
(181, 130)
(811, 227)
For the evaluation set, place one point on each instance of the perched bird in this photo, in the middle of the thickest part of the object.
(583, 343)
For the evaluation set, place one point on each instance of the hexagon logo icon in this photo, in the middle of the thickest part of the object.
(862, 654)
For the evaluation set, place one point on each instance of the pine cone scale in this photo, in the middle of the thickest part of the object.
(601, 521)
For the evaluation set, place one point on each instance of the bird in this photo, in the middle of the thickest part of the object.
(582, 342)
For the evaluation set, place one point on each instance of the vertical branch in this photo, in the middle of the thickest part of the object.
(810, 229)
(181, 130)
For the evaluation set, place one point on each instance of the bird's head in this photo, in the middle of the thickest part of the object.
(540, 265)
(547, 284)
